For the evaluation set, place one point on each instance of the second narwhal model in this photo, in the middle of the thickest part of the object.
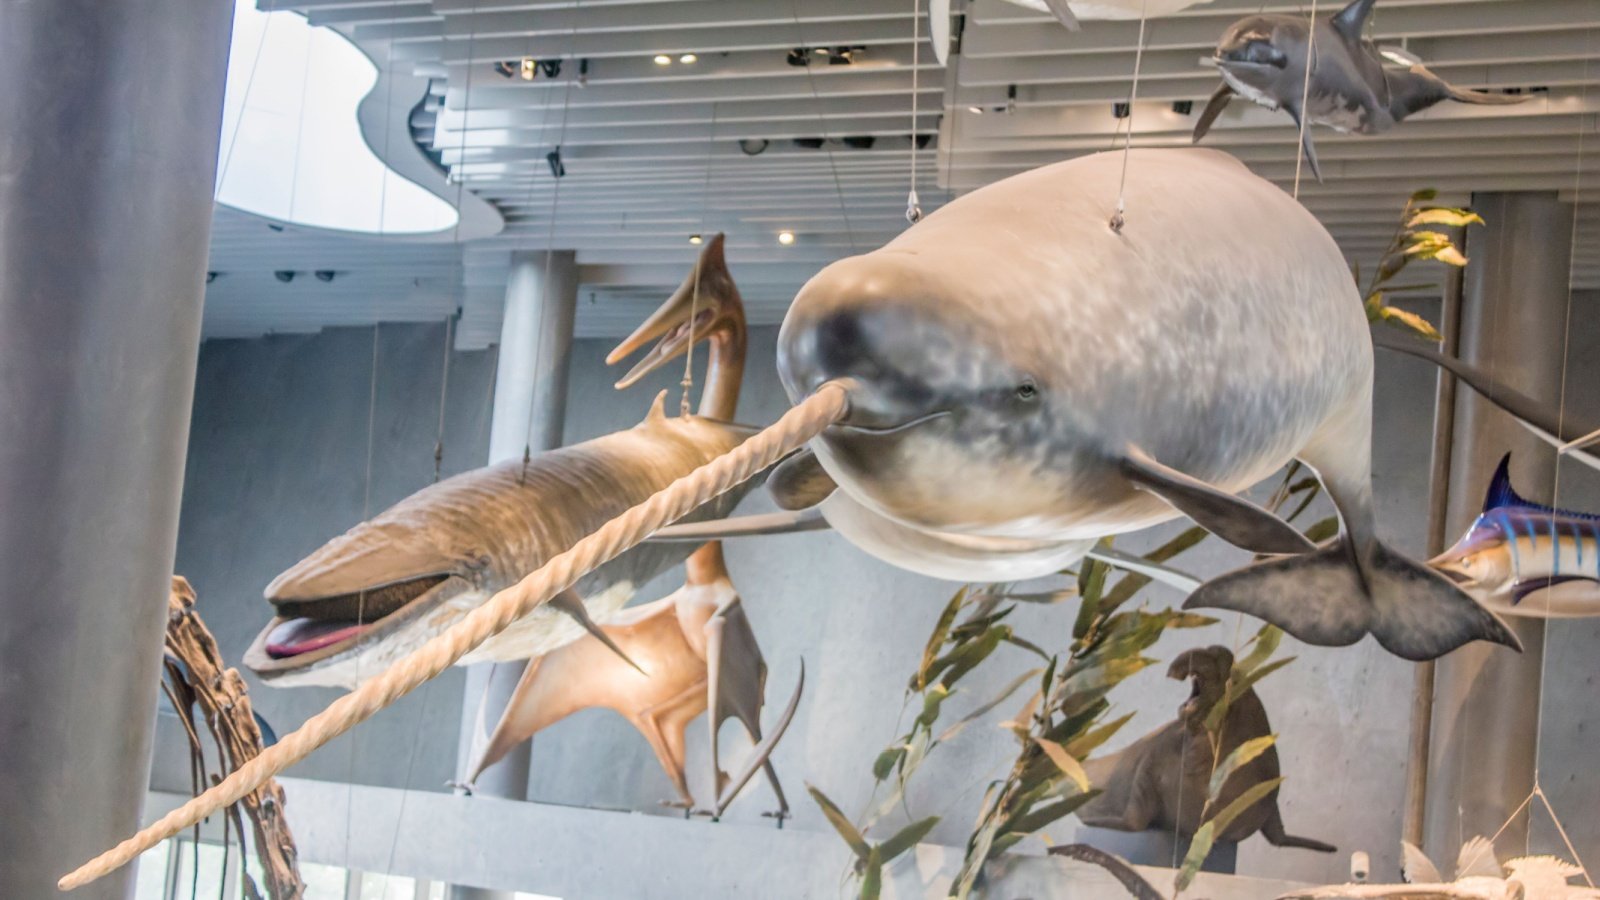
(1023, 380)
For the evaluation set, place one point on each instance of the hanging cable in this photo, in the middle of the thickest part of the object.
(1117, 220)
(822, 125)
(694, 295)
(913, 204)
(1305, 96)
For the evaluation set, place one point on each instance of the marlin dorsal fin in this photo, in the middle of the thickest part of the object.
(1352, 20)
(1501, 493)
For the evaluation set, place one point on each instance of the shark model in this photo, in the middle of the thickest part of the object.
(1478, 876)
(1521, 558)
(1263, 58)
(1024, 380)
(374, 594)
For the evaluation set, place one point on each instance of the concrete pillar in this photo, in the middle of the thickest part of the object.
(1486, 700)
(530, 406)
(108, 149)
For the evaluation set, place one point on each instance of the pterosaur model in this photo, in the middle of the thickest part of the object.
(1526, 559)
(1263, 58)
(696, 648)
(1161, 781)
(379, 591)
(1024, 380)
(1479, 876)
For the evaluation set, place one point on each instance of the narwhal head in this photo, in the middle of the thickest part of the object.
(950, 415)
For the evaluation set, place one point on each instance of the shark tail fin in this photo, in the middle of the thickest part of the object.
(1463, 95)
(1328, 599)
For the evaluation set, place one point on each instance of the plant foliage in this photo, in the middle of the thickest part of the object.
(1414, 238)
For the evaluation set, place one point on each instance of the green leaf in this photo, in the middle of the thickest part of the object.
(984, 710)
(931, 701)
(1264, 644)
(1199, 849)
(1424, 195)
(1444, 215)
(841, 824)
(884, 765)
(1091, 586)
(872, 876)
(1322, 530)
(1251, 796)
(964, 659)
(1086, 744)
(1241, 755)
(1043, 816)
(941, 628)
(906, 838)
(1065, 762)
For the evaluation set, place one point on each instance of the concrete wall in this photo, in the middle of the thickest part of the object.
(278, 464)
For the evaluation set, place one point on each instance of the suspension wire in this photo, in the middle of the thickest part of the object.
(694, 294)
(557, 174)
(1305, 96)
(913, 204)
(822, 123)
(249, 85)
(444, 396)
(1117, 220)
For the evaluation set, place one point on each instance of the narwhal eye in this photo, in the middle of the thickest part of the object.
(1027, 390)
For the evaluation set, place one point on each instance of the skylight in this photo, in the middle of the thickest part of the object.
(292, 149)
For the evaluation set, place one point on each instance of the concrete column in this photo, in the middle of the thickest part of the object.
(1486, 701)
(108, 150)
(530, 406)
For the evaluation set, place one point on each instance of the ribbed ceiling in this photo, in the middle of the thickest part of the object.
(652, 151)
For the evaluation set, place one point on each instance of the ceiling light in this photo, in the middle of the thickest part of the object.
(696, 239)
(786, 238)
(753, 146)
(505, 69)
(324, 275)
(821, 51)
(529, 69)
(663, 60)
(284, 275)
(975, 110)
(1120, 110)
(688, 58)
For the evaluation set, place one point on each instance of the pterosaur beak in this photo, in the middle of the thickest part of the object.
(694, 311)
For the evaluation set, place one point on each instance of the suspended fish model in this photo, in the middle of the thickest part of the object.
(1478, 876)
(1023, 381)
(1525, 559)
(1162, 781)
(374, 594)
(661, 664)
(1263, 58)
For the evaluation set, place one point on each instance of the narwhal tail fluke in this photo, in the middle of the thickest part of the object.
(1322, 598)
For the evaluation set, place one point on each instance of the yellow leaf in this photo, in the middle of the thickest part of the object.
(1444, 215)
(1450, 255)
(1064, 761)
(1412, 321)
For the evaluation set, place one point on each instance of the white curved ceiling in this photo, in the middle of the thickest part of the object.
(292, 148)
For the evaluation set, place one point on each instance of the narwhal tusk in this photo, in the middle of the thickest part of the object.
(806, 420)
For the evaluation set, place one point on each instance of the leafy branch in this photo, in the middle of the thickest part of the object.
(1414, 238)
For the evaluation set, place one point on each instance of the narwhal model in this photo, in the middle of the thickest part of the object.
(1263, 58)
(696, 645)
(1024, 380)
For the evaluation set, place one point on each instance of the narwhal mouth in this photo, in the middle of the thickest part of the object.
(891, 429)
(320, 630)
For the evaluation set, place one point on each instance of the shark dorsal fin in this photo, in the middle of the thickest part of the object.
(1352, 20)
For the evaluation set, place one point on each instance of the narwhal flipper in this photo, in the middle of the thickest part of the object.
(1539, 417)
(1234, 519)
(800, 482)
(1064, 14)
(568, 603)
(1214, 107)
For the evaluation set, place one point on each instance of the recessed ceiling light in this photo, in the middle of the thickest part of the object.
(696, 239)
(975, 110)
(688, 58)
(786, 238)
(530, 68)
(663, 60)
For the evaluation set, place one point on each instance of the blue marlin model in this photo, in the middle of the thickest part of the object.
(1524, 559)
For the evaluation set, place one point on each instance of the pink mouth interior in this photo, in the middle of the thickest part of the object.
(298, 636)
